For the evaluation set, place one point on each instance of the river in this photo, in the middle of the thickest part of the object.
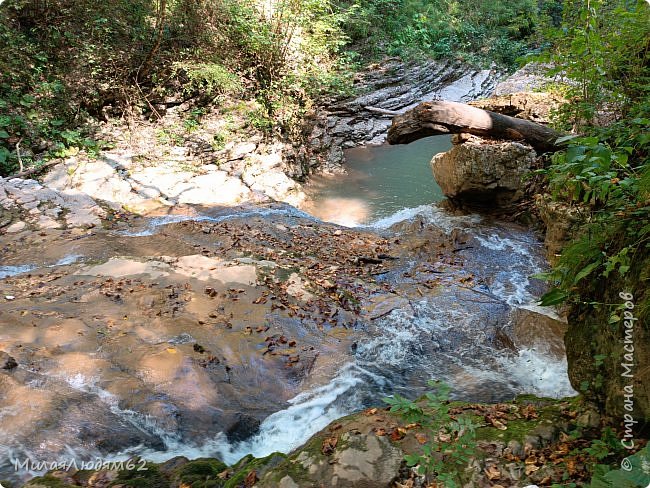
(223, 332)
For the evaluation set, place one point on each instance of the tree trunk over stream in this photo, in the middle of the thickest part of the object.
(441, 117)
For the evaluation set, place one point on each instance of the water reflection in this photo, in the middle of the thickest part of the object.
(380, 180)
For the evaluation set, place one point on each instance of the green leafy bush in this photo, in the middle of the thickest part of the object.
(605, 173)
(210, 78)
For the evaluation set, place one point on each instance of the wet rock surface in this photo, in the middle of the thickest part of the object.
(193, 331)
(521, 443)
(222, 325)
(7, 362)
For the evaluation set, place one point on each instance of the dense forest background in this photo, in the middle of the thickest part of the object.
(63, 62)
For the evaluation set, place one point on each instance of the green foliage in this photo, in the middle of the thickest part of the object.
(603, 48)
(210, 78)
(151, 477)
(454, 439)
(634, 473)
(604, 51)
(201, 473)
(478, 32)
(58, 64)
(606, 175)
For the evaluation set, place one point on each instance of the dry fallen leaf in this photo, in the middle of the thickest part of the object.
(421, 438)
(329, 444)
(531, 459)
(531, 468)
(397, 434)
(443, 437)
(529, 412)
(497, 423)
(250, 480)
(492, 473)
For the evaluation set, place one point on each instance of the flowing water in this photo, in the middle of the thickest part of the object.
(109, 327)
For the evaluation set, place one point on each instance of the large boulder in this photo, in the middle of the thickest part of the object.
(483, 173)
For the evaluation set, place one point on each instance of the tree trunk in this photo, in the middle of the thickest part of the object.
(441, 117)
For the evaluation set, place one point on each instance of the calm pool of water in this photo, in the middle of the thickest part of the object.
(380, 181)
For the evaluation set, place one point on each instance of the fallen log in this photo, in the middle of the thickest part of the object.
(441, 117)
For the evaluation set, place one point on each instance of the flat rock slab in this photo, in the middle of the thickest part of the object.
(47, 208)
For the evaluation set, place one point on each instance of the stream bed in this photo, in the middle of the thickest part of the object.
(228, 331)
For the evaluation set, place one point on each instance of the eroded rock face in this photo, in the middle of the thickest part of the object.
(122, 181)
(365, 460)
(532, 77)
(482, 173)
(533, 106)
(387, 88)
(561, 221)
(593, 331)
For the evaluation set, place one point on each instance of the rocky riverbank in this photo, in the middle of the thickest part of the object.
(527, 442)
(222, 323)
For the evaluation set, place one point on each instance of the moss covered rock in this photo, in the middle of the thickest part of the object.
(608, 344)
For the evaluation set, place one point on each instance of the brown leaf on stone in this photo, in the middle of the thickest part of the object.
(329, 445)
(562, 449)
(379, 431)
(370, 411)
(532, 459)
(412, 426)
(529, 412)
(443, 437)
(225, 474)
(571, 465)
(492, 473)
(406, 484)
(530, 469)
(496, 423)
(250, 479)
(397, 434)
(421, 438)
